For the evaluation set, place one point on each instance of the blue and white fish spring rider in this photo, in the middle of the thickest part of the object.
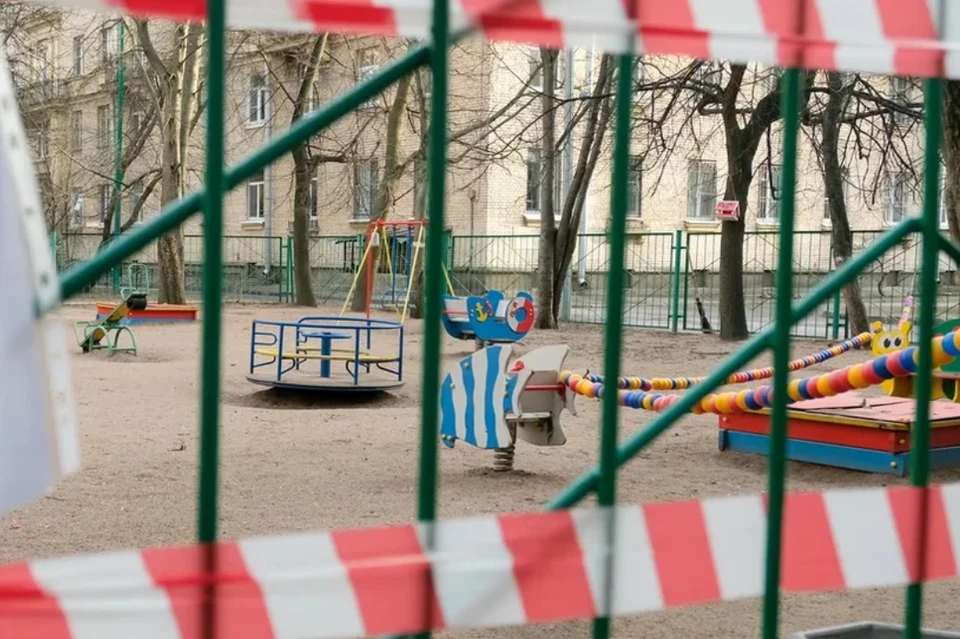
(489, 402)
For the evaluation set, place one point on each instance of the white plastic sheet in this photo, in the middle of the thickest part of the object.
(38, 433)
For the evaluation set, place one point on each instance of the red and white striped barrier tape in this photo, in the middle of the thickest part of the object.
(881, 36)
(487, 571)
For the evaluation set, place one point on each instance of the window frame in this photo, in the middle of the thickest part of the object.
(892, 181)
(257, 97)
(770, 175)
(105, 124)
(695, 192)
(372, 168)
(104, 192)
(256, 184)
(635, 187)
(79, 62)
(76, 131)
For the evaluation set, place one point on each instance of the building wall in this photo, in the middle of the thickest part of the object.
(494, 122)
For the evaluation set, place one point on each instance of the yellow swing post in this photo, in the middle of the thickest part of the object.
(413, 273)
(356, 276)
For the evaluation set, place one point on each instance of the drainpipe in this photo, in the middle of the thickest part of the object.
(268, 196)
(582, 244)
(568, 168)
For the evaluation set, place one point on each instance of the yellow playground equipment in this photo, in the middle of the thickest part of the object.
(400, 245)
(91, 334)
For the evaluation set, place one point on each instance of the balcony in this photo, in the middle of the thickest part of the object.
(42, 93)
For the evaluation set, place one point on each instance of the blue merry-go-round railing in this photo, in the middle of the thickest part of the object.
(299, 355)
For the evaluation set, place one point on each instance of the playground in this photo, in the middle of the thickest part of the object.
(302, 463)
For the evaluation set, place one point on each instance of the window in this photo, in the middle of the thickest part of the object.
(104, 126)
(635, 187)
(535, 183)
(368, 61)
(900, 94)
(41, 61)
(772, 77)
(257, 99)
(701, 189)
(76, 131)
(108, 43)
(314, 197)
(705, 76)
(638, 77)
(104, 202)
(134, 195)
(533, 180)
(76, 208)
(768, 193)
(944, 224)
(895, 197)
(136, 122)
(844, 174)
(43, 142)
(419, 187)
(78, 55)
(365, 184)
(536, 69)
(256, 204)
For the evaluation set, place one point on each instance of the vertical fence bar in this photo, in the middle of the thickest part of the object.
(212, 307)
(613, 338)
(433, 266)
(118, 156)
(781, 357)
(920, 453)
(675, 292)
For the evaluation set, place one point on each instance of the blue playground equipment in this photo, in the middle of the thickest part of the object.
(489, 402)
(281, 354)
(489, 319)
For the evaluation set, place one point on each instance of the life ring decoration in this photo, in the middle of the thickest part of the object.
(520, 315)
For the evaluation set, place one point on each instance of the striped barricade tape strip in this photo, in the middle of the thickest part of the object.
(881, 36)
(486, 571)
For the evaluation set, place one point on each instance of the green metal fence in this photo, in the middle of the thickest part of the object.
(665, 273)
(602, 478)
(254, 268)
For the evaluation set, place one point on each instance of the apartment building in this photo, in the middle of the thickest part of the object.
(66, 69)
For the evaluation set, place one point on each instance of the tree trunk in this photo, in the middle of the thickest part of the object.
(951, 155)
(171, 276)
(598, 120)
(841, 236)
(391, 173)
(733, 310)
(548, 227)
(303, 170)
(176, 98)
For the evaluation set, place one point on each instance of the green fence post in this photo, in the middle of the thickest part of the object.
(613, 336)
(289, 274)
(675, 294)
(212, 308)
(433, 281)
(920, 446)
(790, 86)
(835, 328)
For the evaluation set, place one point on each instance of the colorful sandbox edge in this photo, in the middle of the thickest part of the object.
(153, 314)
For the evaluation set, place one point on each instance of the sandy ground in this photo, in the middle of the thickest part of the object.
(326, 464)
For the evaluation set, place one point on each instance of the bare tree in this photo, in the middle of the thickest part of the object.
(841, 235)
(951, 155)
(558, 241)
(175, 82)
(303, 169)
